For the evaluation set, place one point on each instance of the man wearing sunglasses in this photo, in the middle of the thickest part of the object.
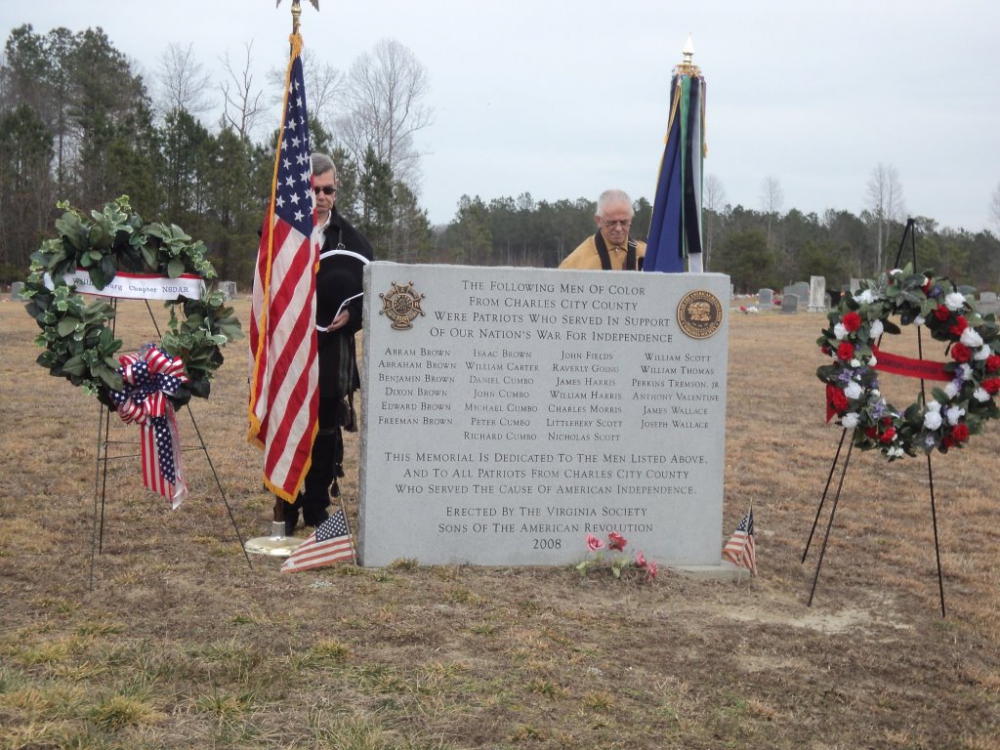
(344, 252)
(610, 247)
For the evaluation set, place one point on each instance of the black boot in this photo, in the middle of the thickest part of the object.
(315, 496)
(290, 513)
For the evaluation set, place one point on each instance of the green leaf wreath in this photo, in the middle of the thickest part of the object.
(954, 411)
(78, 343)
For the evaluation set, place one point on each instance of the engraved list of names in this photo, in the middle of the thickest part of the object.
(509, 412)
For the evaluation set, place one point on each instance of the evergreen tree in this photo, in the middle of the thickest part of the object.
(25, 156)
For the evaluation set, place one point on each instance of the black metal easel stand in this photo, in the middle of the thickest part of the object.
(103, 457)
(910, 233)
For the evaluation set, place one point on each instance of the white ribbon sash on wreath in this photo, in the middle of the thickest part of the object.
(136, 285)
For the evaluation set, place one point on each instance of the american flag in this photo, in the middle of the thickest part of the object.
(328, 544)
(740, 548)
(284, 385)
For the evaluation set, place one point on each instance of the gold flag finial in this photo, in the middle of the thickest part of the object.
(297, 12)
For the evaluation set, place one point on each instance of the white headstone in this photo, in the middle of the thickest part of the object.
(817, 294)
(765, 298)
(15, 291)
(509, 412)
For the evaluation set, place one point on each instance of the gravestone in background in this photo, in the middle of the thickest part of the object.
(817, 294)
(766, 298)
(509, 412)
(790, 303)
(15, 291)
(800, 289)
(228, 289)
(988, 303)
(854, 286)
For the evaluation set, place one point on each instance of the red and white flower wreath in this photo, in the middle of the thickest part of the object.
(965, 397)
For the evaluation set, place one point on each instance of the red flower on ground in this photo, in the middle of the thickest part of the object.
(651, 568)
(616, 541)
(640, 560)
(593, 543)
(942, 313)
(852, 321)
(961, 353)
(845, 351)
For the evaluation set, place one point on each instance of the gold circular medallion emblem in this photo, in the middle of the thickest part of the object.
(401, 305)
(699, 314)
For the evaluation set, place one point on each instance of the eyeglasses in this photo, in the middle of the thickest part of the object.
(325, 189)
(623, 223)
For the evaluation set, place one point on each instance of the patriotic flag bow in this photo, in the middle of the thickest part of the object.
(150, 376)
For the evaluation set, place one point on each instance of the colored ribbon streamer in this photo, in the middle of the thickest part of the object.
(911, 368)
(150, 376)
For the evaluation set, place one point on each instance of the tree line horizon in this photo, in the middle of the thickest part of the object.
(78, 123)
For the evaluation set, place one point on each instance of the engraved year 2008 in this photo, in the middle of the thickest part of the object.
(547, 544)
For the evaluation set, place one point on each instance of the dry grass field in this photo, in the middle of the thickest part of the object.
(181, 645)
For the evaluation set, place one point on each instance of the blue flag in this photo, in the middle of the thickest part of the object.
(675, 230)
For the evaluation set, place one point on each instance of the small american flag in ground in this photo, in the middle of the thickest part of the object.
(328, 544)
(740, 549)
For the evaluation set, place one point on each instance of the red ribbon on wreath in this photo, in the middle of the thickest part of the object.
(924, 369)
(150, 376)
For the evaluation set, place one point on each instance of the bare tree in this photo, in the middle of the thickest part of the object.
(325, 87)
(242, 105)
(326, 90)
(715, 193)
(183, 82)
(715, 201)
(885, 201)
(385, 90)
(995, 206)
(772, 200)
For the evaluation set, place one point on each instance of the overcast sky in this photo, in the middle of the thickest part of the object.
(563, 98)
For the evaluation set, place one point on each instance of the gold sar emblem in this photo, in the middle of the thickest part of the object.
(401, 305)
(699, 314)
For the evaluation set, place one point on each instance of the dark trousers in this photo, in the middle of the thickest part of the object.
(326, 466)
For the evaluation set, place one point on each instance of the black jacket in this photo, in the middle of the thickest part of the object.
(339, 277)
